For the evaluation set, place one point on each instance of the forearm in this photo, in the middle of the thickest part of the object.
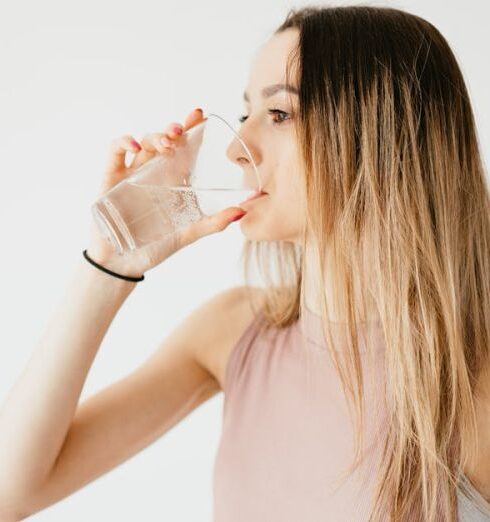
(38, 410)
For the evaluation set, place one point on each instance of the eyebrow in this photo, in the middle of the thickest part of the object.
(273, 89)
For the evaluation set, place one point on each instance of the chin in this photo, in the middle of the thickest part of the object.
(257, 230)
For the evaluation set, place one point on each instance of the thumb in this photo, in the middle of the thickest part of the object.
(211, 224)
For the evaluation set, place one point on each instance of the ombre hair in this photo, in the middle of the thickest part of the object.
(396, 193)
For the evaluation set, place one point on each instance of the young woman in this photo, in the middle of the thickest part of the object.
(357, 385)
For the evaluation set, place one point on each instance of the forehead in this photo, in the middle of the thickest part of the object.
(269, 64)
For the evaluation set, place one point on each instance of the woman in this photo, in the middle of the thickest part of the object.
(377, 213)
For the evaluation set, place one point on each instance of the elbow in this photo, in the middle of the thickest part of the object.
(11, 507)
(10, 516)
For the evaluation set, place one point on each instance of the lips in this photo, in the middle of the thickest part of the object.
(254, 196)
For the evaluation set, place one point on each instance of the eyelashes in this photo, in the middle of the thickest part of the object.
(274, 112)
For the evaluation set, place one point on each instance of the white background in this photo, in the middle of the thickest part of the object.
(75, 75)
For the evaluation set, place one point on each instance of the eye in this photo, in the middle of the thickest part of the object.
(276, 112)
(283, 115)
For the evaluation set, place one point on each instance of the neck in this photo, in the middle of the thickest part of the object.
(313, 292)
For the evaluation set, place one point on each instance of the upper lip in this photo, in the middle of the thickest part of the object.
(256, 195)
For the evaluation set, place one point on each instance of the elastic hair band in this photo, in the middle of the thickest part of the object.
(110, 272)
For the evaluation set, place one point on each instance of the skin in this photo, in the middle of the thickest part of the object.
(55, 448)
(279, 216)
(165, 143)
(272, 140)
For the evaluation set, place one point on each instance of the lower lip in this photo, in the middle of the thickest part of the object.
(253, 197)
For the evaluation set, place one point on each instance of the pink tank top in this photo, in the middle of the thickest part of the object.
(287, 437)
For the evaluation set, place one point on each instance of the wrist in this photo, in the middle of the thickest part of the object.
(107, 284)
(118, 269)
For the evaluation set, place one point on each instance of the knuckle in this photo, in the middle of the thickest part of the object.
(156, 138)
(167, 142)
(173, 124)
(186, 237)
(120, 143)
(150, 141)
(177, 241)
(146, 138)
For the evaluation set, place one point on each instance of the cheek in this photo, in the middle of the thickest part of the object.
(287, 207)
(279, 216)
(289, 194)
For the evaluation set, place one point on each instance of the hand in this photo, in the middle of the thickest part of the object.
(138, 262)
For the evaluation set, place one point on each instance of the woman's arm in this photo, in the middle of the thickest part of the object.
(37, 412)
(48, 451)
(120, 420)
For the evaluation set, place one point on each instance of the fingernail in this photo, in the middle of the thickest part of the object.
(199, 109)
(177, 130)
(236, 218)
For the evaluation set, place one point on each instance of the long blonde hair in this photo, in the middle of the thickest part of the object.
(394, 183)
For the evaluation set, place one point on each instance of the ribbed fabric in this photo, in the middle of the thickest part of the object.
(287, 435)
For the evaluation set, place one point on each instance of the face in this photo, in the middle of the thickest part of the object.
(268, 129)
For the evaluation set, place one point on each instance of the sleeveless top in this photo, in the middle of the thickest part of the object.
(287, 437)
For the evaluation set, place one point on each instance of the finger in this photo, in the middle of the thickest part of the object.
(152, 143)
(162, 142)
(175, 130)
(117, 152)
(193, 119)
(210, 224)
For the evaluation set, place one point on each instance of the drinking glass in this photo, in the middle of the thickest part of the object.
(206, 174)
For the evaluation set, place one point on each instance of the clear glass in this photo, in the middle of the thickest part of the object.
(206, 174)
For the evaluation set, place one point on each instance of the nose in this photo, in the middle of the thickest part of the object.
(237, 154)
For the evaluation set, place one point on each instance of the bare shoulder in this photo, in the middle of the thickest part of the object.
(220, 323)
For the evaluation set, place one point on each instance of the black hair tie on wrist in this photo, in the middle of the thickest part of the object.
(107, 271)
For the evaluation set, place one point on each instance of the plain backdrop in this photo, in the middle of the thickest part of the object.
(75, 75)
